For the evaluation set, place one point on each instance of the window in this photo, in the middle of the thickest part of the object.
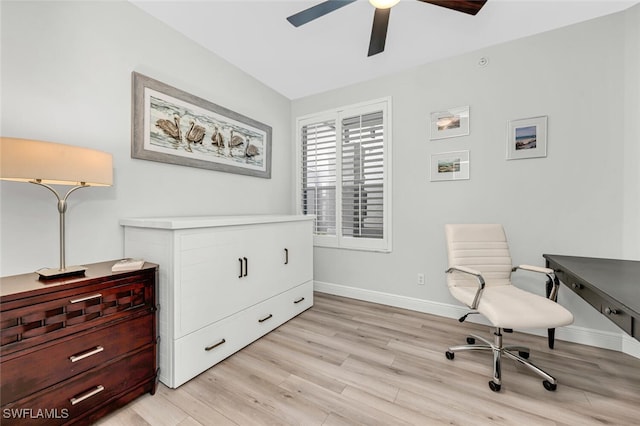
(344, 175)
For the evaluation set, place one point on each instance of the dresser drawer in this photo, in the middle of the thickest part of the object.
(80, 395)
(22, 375)
(206, 347)
(37, 323)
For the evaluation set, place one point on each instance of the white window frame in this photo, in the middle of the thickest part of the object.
(339, 241)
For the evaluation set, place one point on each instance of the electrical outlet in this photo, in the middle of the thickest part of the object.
(420, 279)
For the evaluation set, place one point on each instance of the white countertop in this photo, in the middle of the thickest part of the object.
(187, 222)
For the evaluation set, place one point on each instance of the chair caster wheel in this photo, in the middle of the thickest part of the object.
(494, 386)
(549, 386)
(471, 341)
(450, 355)
(524, 355)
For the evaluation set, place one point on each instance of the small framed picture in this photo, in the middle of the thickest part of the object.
(527, 138)
(450, 166)
(450, 123)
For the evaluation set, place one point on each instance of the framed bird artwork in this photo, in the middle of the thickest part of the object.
(173, 126)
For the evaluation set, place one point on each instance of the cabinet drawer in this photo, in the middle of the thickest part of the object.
(618, 315)
(22, 375)
(285, 306)
(38, 323)
(206, 347)
(87, 391)
(196, 352)
(612, 310)
(584, 292)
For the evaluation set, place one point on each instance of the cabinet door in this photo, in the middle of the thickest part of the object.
(290, 255)
(224, 270)
(216, 272)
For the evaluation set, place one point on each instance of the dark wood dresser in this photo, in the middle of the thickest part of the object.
(74, 349)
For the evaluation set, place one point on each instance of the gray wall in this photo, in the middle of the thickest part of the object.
(582, 199)
(66, 77)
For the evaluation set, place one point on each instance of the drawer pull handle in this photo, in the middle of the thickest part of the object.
(286, 256)
(299, 300)
(610, 311)
(246, 266)
(215, 345)
(87, 395)
(240, 260)
(265, 318)
(97, 349)
(83, 299)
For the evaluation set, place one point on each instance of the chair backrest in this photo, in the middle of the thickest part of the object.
(482, 247)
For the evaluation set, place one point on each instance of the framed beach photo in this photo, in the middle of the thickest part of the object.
(450, 166)
(527, 138)
(450, 123)
(173, 126)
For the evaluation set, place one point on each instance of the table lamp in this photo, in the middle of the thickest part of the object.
(47, 163)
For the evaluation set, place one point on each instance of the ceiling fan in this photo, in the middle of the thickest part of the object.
(381, 16)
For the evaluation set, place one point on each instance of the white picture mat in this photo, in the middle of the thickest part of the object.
(452, 165)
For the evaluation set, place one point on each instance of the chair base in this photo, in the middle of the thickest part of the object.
(516, 353)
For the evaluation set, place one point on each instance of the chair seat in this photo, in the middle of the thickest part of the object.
(507, 306)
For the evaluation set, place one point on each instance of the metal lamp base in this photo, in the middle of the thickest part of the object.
(50, 273)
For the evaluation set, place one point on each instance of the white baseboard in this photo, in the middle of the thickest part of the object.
(630, 346)
(601, 339)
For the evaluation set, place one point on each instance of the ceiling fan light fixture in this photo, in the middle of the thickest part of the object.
(383, 4)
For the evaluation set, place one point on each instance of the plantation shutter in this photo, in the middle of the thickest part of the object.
(362, 171)
(344, 175)
(319, 175)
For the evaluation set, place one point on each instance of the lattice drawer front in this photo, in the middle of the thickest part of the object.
(24, 323)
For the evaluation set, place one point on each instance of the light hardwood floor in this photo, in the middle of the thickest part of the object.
(348, 362)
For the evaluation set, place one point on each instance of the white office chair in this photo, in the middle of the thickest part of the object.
(479, 276)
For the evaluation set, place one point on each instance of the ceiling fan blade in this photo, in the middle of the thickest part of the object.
(379, 31)
(471, 7)
(317, 11)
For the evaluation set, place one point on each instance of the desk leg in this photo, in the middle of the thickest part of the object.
(551, 337)
(551, 332)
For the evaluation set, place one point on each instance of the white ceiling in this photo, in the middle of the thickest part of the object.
(331, 52)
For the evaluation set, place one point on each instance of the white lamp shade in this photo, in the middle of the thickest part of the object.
(51, 163)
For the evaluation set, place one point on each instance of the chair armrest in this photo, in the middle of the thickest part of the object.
(552, 281)
(532, 268)
(476, 274)
(465, 269)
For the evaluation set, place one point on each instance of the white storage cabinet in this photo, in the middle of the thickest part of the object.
(223, 282)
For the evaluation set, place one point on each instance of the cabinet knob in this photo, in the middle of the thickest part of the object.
(215, 345)
(577, 286)
(610, 311)
(244, 262)
(96, 350)
(265, 318)
(84, 299)
(78, 399)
